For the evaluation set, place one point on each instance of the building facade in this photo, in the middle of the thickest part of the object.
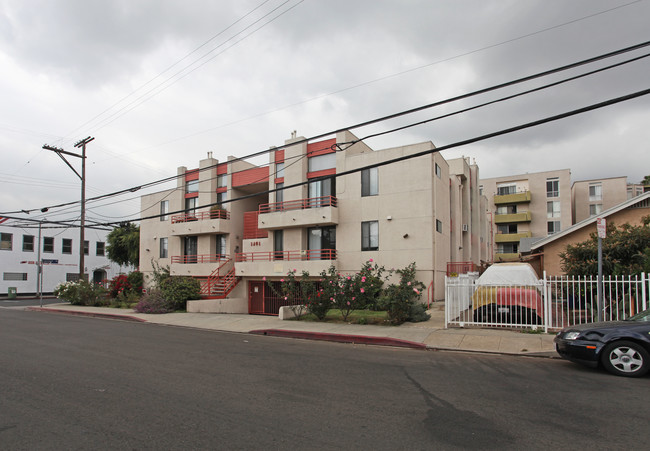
(591, 197)
(525, 206)
(59, 251)
(336, 202)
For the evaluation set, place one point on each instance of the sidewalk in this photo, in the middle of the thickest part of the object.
(426, 335)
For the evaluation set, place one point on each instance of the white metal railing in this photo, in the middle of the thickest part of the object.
(552, 303)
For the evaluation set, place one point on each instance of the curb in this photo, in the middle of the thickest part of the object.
(91, 314)
(340, 338)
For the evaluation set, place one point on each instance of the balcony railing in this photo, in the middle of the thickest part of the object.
(514, 198)
(511, 237)
(513, 217)
(313, 254)
(200, 216)
(300, 204)
(201, 258)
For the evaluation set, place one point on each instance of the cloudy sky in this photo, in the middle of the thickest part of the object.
(159, 83)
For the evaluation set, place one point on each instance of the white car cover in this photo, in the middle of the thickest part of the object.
(509, 274)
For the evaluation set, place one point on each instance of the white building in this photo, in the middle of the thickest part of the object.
(60, 253)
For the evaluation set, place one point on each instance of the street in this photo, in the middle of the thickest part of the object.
(84, 383)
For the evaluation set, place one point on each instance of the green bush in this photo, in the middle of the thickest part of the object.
(154, 302)
(401, 300)
(177, 290)
(82, 293)
(136, 281)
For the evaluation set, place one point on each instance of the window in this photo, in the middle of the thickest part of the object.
(595, 192)
(553, 209)
(510, 188)
(438, 226)
(191, 186)
(15, 276)
(48, 244)
(553, 187)
(222, 181)
(279, 194)
(190, 205)
(86, 247)
(480, 190)
(222, 197)
(6, 241)
(369, 182)
(190, 246)
(438, 171)
(100, 249)
(67, 246)
(370, 236)
(279, 170)
(595, 209)
(320, 191)
(278, 245)
(74, 277)
(164, 210)
(163, 248)
(553, 227)
(28, 243)
(507, 228)
(507, 248)
(506, 209)
(320, 241)
(221, 246)
(322, 162)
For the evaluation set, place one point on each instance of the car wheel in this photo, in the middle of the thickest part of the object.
(626, 358)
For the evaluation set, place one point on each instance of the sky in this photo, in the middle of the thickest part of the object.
(160, 83)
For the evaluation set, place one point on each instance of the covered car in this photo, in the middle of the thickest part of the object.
(508, 293)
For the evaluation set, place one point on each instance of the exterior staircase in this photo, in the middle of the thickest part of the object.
(220, 282)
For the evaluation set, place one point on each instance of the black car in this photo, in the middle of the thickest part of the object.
(621, 347)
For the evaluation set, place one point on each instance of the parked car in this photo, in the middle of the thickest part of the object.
(621, 347)
(508, 293)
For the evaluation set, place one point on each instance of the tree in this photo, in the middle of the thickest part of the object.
(123, 245)
(626, 251)
(646, 180)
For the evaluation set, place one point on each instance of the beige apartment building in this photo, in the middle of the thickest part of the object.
(590, 197)
(524, 206)
(334, 202)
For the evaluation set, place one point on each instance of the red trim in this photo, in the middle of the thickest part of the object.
(223, 189)
(250, 176)
(279, 180)
(222, 168)
(192, 174)
(279, 156)
(321, 147)
(191, 195)
(323, 173)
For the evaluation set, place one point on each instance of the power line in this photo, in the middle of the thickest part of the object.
(385, 118)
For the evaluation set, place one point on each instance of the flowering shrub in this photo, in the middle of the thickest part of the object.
(179, 289)
(118, 284)
(400, 300)
(154, 302)
(291, 291)
(82, 292)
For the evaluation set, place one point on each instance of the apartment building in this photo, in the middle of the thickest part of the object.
(525, 206)
(590, 197)
(334, 202)
(59, 252)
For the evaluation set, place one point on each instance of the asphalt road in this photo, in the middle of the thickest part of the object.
(84, 383)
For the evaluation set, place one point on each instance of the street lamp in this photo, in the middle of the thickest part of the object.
(60, 152)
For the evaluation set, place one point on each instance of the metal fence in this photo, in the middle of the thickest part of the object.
(552, 303)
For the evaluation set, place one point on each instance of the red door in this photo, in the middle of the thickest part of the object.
(256, 297)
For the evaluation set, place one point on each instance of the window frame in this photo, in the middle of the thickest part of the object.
(164, 210)
(551, 211)
(48, 245)
(102, 245)
(370, 182)
(66, 246)
(369, 233)
(163, 247)
(3, 241)
(555, 225)
(25, 243)
(554, 182)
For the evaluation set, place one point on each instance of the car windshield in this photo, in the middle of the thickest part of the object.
(642, 316)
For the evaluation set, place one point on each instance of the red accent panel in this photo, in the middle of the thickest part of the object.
(191, 195)
(279, 180)
(222, 168)
(223, 189)
(279, 156)
(192, 174)
(249, 176)
(323, 173)
(321, 147)
(250, 226)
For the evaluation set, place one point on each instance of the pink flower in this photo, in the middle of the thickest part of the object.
(363, 279)
(348, 277)
(409, 284)
(363, 291)
(348, 302)
(371, 260)
(285, 298)
(264, 278)
(352, 299)
(416, 290)
(294, 270)
(281, 280)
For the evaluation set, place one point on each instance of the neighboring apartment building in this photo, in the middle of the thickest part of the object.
(59, 251)
(527, 205)
(590, 197)
(315, 205)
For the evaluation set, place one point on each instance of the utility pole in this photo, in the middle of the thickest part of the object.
(60, 152)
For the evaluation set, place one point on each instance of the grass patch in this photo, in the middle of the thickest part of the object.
(355, 317)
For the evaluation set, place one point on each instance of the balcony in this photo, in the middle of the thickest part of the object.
(196, 265)
(279, 263)
(317, 211)
(511, 237)
(516, 198)
(513, 217)
(510, 257)
(200, 222)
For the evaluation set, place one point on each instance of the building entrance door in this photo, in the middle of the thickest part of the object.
(256, 298)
